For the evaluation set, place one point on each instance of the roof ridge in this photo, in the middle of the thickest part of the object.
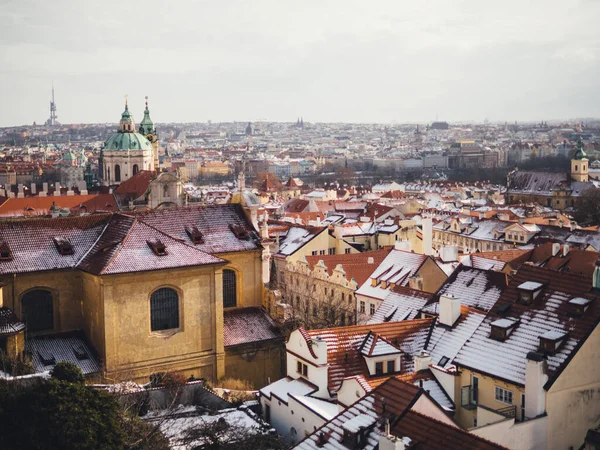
(121, 244)
(94, 244)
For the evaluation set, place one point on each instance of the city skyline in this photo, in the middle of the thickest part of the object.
(338, 62)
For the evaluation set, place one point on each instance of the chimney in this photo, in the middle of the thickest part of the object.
(33, 189)
(390, 442)
(402, 245)
(416, 282)
(57, 188)
(427, 225)
(449, 309)
(421, 361)
(555, 248)
(44, 187)
(535, 378)
(449, 254)
(565, 251)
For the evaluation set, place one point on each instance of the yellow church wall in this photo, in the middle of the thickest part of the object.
(65, 286)
(248, 268)
(133, 351)
(93, 312)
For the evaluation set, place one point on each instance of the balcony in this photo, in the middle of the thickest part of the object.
(468, 397)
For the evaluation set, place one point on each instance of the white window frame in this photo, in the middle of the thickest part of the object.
(503, 395)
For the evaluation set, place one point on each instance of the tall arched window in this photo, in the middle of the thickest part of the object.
(135, 169)
(164, 309)
(229, 289)
(37, 309)
(117, 172)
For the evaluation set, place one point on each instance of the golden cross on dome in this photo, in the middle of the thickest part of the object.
(146, 101)
(126, 97)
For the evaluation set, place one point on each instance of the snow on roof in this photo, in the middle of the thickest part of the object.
(530, 286)
(435, 390)
(323, 408)
(504, 323)
(402, 303)
(246, 325)
(359, 421)
(475, 287)
(550, 311)
(580, 301)
(287, 386)
(397, 268)
(46, 351)
(375, 345)
(296, 238)
(446, 342)
(554, 335)
(183, 419)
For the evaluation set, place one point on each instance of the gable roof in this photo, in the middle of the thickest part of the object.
(396, 268)
(548, 312)
(344, 345)
(355, 265)
(394, 400)
(402, 303)
(123, 247)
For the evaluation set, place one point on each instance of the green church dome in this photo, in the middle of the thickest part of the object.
(127, 141)
(579, 154)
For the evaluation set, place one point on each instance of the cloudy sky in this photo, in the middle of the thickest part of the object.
(329, 61)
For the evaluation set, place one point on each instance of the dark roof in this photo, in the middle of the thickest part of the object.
(214, 223)
(394, 400)
(9, 322)
(536, 183)
(246, 325)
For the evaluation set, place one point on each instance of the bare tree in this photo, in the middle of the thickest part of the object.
(220, 434)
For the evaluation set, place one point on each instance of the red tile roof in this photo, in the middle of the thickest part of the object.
(344, 356)
(40, 206)
(355, 265)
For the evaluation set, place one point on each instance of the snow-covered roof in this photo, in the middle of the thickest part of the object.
(402, 303)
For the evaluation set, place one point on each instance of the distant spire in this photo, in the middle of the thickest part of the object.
(126, 101)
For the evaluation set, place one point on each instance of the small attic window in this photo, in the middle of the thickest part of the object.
(157, 247)
(47, 358)
(80, 353)
(5, 252)
(551, 341)
(529, 291)
(502, 328)
(356, 431)
(239, 231)
(195, 235)
(577, 306)
(63, 245)
(443, 361)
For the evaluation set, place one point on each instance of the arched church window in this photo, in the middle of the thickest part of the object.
(229, 289)
(164, 309)
(165, 190)
(576, 168)
(37, 309)
(117, 172)
(135, 169)
(108, 173)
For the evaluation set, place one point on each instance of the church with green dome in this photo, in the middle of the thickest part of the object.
(128, 151)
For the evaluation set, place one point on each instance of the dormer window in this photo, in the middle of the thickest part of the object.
(5, 252)
(529, 291)
(502, 328)
(551, 341)
(157, 247)
(356, 431)
(239, 231)
(195, 235)
(578, 305)
(63, 245)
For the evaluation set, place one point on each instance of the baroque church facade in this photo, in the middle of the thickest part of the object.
(129, 151)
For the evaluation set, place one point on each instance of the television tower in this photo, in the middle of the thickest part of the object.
(51, 122)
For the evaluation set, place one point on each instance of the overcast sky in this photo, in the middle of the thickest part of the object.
(328, 61)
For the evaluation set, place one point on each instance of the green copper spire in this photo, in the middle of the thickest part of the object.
(579, 154)
(146, 125)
